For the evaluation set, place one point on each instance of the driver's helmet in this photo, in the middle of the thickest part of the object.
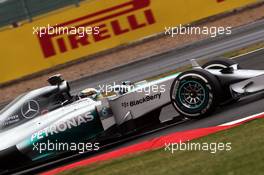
(90, 92)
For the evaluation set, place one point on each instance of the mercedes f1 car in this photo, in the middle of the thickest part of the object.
(52, 115)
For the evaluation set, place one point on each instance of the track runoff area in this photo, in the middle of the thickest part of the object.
(188, 141)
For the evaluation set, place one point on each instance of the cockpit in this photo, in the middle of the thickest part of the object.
(35, 103)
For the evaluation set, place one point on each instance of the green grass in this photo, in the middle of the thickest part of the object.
(246, 157)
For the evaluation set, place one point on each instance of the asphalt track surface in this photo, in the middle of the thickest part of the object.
(207, 49)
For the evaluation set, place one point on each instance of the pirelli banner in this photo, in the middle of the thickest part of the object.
(27, 49)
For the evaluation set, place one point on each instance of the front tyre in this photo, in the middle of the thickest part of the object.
(195, 93)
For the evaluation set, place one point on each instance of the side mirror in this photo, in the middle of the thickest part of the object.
(55, 80)
(228, 70)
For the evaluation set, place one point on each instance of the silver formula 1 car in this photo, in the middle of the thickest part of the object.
(52, 115)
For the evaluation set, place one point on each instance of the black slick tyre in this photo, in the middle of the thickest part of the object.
(195, 93)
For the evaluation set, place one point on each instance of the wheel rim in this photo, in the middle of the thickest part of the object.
(192, 94)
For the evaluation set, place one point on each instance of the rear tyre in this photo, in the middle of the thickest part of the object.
(195, 93)
(219, 64)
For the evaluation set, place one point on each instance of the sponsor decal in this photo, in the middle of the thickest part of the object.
(30, 109)
(63, 126)
(108, 22)
(145, 99)
(9, 121)
(210, 100)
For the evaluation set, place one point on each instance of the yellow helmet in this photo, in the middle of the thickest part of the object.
(90, 92)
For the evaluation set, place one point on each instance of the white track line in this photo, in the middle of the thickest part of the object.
(241, 120)
(247, 53)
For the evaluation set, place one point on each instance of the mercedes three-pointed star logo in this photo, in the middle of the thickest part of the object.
(30, 109)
